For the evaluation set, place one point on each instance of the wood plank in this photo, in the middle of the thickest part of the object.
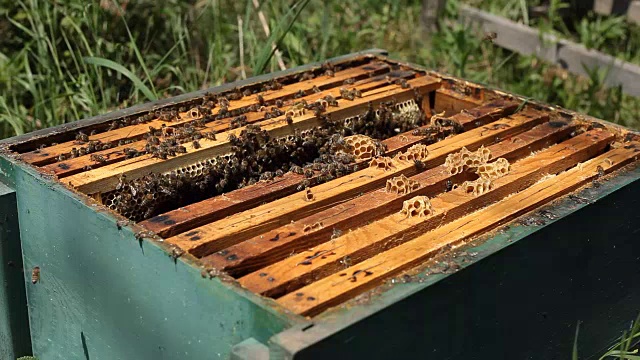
(106, 178)
(279, 243)
(571, 56)
(76, 165)
(241, 226)
(388, 232)
(452, 102)
(188, 217)
(49, 154)
(333, 290)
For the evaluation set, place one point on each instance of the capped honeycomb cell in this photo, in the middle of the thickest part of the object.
(416, 152)
(384, 163)
(401, 185)
(478, 186)
(417, 206)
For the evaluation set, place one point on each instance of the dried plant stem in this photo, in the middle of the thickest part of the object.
(241, 46)
(265, 27)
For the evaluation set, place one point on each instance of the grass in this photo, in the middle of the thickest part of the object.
(67, 60)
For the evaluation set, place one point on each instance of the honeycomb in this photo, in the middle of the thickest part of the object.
(296, 110)
(363, 147)
(388, 120)
(316, 226)
(308, 195)
(478, 186)
(384, 163)
(417, 206)
(493, 170)
(415, 152)
(401, 185)
(457, 162)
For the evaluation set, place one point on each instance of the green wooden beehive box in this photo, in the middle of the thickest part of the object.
(358, 207)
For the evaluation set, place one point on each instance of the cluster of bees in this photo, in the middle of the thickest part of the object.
(169, 141)
(318, 154)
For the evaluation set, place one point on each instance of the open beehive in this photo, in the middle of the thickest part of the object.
(314, 187)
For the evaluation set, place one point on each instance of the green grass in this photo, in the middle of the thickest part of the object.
(70, 59)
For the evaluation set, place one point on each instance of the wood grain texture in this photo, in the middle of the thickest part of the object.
(334, 289)
(186, 218)
(49, 154)
(279, 243)
(241, 226)
(113, 155)
(395, 229)
(452, 102)
(106, 178)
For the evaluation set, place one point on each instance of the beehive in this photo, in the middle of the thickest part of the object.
(301, 206)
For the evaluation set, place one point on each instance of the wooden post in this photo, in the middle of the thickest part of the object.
(431, 12)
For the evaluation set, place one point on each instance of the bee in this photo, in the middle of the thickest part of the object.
(266, 176)
(162, 154)
(490, 36)
(82, 137)
(316, 89)
(329, 73)
(260, 99)
(275, 85)
(349, 81)
(303, 185)
(74, 152)
(98, 158)
(296, 170)
(35, 275)
(289, 119)
(309, 173)
(238, 122)
(299, 94)
(279, 103)
(331, 101)
(236, 95)
(113, 126)
(61, 157)
(279, 173)
(223, 102)
(246, 92)
(403, 83)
